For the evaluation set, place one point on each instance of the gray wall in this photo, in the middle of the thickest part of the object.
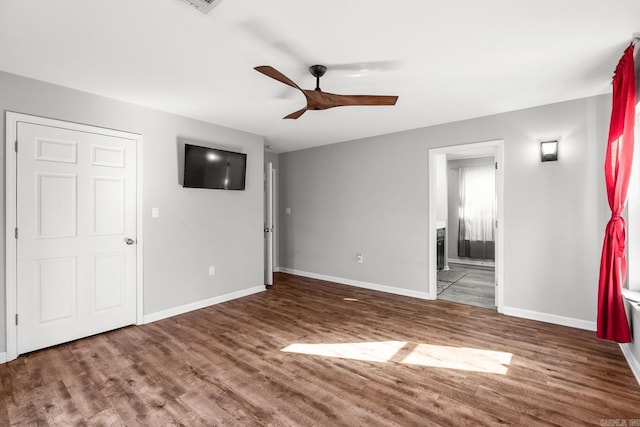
(371, 196)
(196, 227)
(453, 197)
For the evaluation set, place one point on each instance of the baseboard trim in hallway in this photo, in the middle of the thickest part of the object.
(472, 262)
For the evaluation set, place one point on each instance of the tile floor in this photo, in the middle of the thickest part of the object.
(476, 287)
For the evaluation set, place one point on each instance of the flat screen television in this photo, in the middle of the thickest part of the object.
(212, 168)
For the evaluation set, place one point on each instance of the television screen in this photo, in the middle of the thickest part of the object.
(212, 168)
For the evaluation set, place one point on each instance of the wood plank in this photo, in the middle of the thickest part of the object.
(225, 365)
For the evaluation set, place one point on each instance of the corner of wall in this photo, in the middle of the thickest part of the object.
(175, 311)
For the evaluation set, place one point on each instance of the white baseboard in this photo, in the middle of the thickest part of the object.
(3, 357)
(153, 317)
(471, 261)
(359, 284)
(632, 360)
(550, 318)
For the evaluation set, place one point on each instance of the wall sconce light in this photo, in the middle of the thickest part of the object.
(549, 151)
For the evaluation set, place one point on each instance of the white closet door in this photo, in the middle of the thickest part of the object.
(76, 219)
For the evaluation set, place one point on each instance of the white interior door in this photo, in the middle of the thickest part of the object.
(268, 223)
(495, 234)
(76, 229)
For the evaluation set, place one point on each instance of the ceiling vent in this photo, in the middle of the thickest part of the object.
(204, 6)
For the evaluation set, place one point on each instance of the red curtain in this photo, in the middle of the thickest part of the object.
(612, 319)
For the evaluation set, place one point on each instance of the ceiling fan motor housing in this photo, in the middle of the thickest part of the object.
(317, 71)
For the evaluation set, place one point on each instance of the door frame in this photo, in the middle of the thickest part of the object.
(633, 215)
(269, 221)
(10, 187)
(498, 147)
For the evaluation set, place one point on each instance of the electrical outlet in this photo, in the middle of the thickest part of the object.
(212, 270)
(359, 258)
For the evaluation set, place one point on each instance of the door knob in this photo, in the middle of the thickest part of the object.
(129, 241)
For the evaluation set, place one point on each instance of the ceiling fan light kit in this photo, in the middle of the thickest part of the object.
(319, 100)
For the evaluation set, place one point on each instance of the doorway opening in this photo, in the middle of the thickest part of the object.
(465, 224)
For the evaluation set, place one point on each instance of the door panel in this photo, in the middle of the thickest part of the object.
(56, 289)
(107, 206)
(107, 156)
(56, 205)
(76, 204)
(56, 151)
(108, 281)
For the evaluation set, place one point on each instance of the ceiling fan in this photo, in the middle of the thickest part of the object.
(319, 100)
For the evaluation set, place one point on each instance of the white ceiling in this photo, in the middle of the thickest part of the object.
(447, 61)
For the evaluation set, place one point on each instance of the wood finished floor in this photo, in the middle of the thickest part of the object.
(440, 363)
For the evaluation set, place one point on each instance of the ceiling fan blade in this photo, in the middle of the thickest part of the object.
(317, 100)
(296, 114)
(341, 100)
(277, 75)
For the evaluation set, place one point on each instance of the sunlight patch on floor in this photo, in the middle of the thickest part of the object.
(434, 356)
(368, 351)
(462, 358)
